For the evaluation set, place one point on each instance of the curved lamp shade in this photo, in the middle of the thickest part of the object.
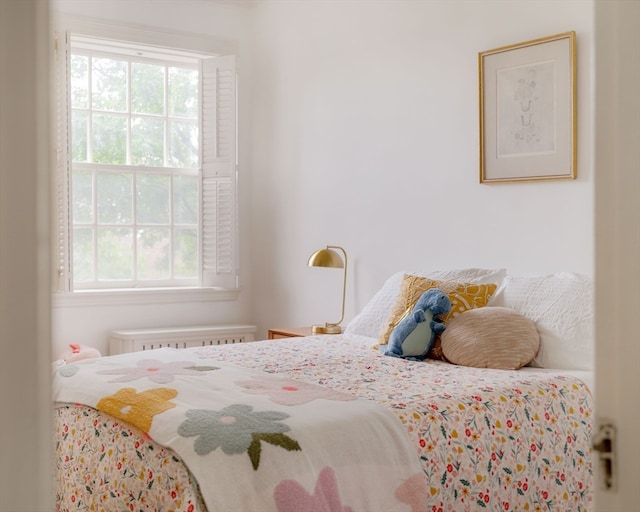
(329, 258)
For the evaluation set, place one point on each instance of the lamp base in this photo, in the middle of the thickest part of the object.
(326, 329)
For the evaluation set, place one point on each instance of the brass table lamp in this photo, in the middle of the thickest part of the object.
(327, 257)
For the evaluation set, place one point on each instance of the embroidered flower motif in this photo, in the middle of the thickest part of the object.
(290, 496)
(236, 429)
(137, 408)
(156, 371)
(290, 391)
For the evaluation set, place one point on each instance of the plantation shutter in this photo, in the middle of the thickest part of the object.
(219, 180)
(61, 252)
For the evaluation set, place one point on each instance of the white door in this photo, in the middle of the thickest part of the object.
(617, 200)
(25, 364)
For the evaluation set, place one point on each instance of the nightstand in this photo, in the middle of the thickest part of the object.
(289, 332)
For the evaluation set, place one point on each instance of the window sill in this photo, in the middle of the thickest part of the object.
(147, 296)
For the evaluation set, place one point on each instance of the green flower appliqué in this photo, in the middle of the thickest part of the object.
(237, 429)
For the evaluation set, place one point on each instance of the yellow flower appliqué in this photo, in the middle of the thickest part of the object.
(138, 408)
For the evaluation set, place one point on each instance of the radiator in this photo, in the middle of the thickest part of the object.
(134, 340)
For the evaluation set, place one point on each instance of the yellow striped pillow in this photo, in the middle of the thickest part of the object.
(463, 296)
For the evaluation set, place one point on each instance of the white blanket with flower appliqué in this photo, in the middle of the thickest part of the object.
(256, 441)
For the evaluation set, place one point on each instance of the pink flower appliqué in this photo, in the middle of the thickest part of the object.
(290, 496)
(156, 371)
(413, 492)
(290, 391)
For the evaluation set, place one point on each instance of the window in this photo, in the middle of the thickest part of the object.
(146, 178)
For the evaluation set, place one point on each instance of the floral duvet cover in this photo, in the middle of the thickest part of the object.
(485, 439)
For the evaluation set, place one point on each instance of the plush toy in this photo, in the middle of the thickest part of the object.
(414, 336)
(78, 352)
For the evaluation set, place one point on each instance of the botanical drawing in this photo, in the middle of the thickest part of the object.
(526, 109)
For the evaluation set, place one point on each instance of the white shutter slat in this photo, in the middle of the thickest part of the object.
(219, 191)
(61, 251)
(219, 246)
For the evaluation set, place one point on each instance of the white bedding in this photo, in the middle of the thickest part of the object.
(586, 376)
(240, 429)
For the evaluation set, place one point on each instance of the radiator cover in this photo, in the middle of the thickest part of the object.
(134, 340)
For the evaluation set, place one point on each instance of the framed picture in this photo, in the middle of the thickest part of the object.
(528, 110)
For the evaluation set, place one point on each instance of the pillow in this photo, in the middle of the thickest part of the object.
(371, 320)
(463, 296)
(491, 337)
(561, 306)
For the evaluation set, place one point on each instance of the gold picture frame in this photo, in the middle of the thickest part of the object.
(528, 110)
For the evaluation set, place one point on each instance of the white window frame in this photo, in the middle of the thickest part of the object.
(218, 156)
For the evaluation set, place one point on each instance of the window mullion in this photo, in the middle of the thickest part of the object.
(172, 175)
(166, 114)
(134, 192)
(90, 110)
(94, 224)
(134, 220)
(128, 112)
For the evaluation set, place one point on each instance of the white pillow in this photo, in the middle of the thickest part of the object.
(561, 307)
(371, 320)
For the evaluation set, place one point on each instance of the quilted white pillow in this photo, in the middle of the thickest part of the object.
(561, 306)
(371, 320)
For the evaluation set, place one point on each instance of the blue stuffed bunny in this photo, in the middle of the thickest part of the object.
(414, 336)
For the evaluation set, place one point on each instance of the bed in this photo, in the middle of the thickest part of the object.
(329, 423)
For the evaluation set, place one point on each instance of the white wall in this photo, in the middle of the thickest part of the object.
(90, 324)
(359, 127)
(365, 135)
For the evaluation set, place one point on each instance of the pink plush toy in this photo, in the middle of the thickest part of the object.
(78, 352)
